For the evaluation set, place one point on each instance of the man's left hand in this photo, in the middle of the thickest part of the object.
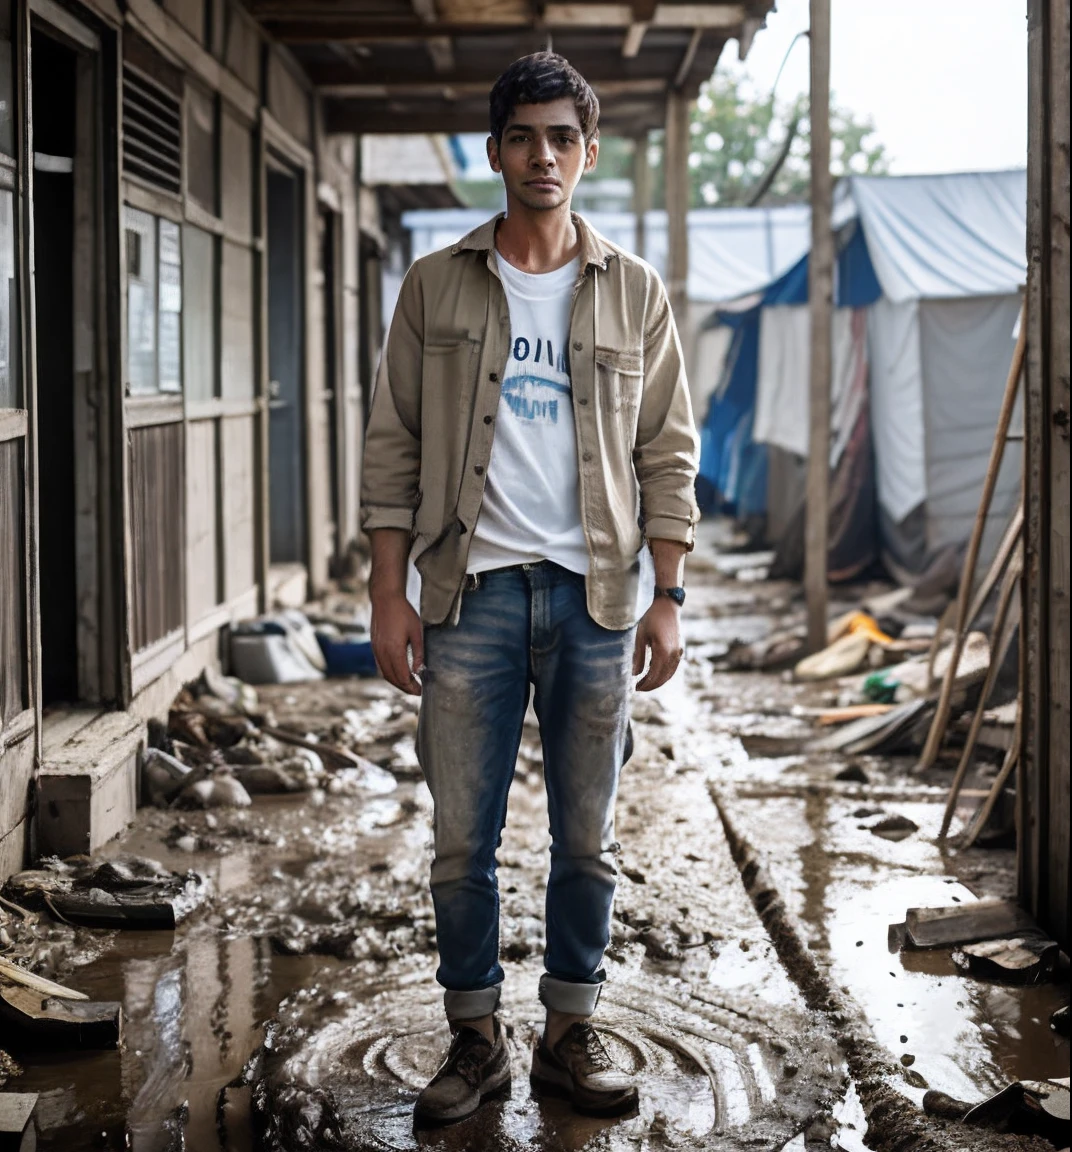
(659, 630)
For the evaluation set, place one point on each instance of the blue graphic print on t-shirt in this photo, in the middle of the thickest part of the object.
(533, 397)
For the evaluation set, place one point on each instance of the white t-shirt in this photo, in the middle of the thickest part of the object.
(531, 509)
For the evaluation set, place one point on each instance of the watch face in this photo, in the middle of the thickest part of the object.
(675, 594)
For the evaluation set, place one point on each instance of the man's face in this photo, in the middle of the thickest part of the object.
(543, 154)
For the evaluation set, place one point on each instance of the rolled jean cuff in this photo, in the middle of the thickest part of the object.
(566, 996)
(471, 1005)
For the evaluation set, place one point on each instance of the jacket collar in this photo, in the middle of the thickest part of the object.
(595, 251)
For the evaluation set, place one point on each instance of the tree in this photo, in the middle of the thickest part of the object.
(736, 138)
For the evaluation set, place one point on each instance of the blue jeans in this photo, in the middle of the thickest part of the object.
(521, 626)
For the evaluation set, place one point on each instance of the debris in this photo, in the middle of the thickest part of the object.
(38, 1010)
(8, 1068)
(1059, 1021)
(1025, 959)
(163, 776)
(346, 654)
(219, 791)
(852, 712)
(945, 1107)
(853, 774)
(843, 656)
(965, 923)
(1028, 1107)
(18, 1133)
(332, 755)
(894, 828)
(885, 733)
(124, 892)
(277, 649)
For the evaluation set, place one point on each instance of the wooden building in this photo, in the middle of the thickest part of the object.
(189, 273)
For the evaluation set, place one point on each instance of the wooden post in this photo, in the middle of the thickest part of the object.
(676, 171)
(1043, 789)
(641, 192)
(820, 296)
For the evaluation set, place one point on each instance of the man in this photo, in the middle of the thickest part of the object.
(530, 429)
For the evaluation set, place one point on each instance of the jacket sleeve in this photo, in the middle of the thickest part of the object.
(391, 468)
(667, 449)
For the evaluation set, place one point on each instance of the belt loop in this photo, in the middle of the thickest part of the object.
(472, 581)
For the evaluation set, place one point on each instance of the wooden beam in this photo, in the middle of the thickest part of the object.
(634, 37)
(441, 51)
(708, 16)
(434, 90)
(688, 59)
(820, 295)
(1043, 787)
(676, 169)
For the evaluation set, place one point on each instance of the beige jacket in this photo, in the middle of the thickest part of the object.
(433, 416)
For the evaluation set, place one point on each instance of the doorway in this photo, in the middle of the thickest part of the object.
(286, 357)
(71, 421)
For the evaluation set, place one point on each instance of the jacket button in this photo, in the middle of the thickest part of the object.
(583, 400)
(479, 469)
(493, 376)
(577, 346)
(587, 457)
(487, 419)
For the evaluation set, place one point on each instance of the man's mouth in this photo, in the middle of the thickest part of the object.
(543, 185)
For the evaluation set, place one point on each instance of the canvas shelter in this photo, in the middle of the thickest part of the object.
(927, 295)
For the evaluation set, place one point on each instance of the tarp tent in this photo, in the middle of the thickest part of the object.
(937, 262)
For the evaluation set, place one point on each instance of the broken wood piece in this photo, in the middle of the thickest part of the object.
(18, 1133)
(341, 757)
(966, 923)
(16, 975)
(853, 712)
(1025, 959)
(37, 1019)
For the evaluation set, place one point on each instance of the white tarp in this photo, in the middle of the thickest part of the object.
(897, 417)
(782, 377)
(732, 251)
(946, 236)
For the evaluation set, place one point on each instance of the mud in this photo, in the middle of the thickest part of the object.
(751, 986)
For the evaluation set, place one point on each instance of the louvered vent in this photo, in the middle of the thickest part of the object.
(152, 132)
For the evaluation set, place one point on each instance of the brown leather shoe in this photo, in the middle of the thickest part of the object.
(579, 1069)
(472, 1071)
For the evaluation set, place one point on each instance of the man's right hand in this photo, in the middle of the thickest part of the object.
(397, 633)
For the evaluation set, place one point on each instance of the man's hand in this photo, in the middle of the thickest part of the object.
(396, 633)
(659, 630)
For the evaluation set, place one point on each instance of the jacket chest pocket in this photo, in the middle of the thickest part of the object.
(449, 365)
(619, 379)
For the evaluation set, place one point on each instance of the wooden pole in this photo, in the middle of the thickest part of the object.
(641, 192)
(821, 299)
(676, 171)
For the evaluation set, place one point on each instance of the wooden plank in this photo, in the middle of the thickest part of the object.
(17, 1130)
(236, 322)
(966, 923)
(820, 296)
(53, 1023)
(237, 504)
(16, 975)
(202, 519)
(13, 672)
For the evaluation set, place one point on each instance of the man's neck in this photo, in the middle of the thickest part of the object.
(538, 242)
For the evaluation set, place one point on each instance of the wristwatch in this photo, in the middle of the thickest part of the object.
(675, 594)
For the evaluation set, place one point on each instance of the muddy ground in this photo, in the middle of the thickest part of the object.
(751, 984)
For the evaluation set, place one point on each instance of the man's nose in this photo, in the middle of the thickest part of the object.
(543, 155)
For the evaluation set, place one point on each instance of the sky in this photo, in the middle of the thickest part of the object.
(945, 81)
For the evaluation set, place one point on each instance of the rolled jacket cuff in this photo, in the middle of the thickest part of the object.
(471, 1005)
(680, 530)
(373, 517)
(566, 996)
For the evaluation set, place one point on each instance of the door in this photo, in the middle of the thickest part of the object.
(72, 425)
(286, 355)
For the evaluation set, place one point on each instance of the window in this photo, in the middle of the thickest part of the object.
(9, 306)
(199, 319)
(154, 304)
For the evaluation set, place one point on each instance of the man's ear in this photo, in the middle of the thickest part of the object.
(591, 154)
(493, 154)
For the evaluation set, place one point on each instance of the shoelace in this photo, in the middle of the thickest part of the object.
(585, 1040)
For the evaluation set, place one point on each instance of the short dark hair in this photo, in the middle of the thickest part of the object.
(539, 79)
